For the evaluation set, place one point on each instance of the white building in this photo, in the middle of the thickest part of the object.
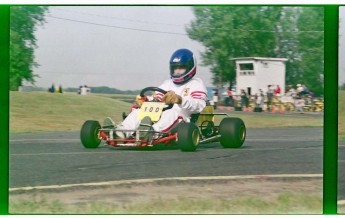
(84, 90)
(254, 73)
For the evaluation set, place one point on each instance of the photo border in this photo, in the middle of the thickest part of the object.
(4, 108)
(330, 148)
(330, 128)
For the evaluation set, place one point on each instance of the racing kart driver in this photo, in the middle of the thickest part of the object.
(184, 90)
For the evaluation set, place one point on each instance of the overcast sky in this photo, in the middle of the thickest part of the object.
(123, 47)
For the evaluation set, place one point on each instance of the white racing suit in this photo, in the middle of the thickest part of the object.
(194, 98)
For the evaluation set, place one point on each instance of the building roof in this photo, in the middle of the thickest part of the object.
(260, 59)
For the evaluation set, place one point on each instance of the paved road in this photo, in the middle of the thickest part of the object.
(58, 158)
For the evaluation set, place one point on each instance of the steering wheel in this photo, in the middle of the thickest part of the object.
(156, 89)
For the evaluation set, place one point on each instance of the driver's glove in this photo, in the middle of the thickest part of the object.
(172, 98)
(140, 100)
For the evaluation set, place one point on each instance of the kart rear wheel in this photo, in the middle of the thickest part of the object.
(89, 134)
(188, 136)
(232, 131)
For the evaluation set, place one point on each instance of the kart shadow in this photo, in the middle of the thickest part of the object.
(163, 147)
(147, 148)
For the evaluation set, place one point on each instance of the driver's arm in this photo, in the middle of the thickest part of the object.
(196, 99)
(194, 103)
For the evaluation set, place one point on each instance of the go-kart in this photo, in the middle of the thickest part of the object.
(231, 132)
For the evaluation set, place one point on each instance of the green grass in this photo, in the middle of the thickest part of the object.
(255, 120)
(284, 203)
(42, 111)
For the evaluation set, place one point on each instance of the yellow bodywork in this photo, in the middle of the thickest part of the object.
(152, 110)
(208, 110)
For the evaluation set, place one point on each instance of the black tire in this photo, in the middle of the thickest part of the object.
(188, 136)
(89, 134)
(233, 132)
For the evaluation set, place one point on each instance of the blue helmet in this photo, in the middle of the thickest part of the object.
(182, 58)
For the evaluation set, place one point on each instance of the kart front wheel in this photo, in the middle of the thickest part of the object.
(232, 131)
(89, 134)
(188, 136)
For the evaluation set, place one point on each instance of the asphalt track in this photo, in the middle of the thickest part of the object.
(58, 159)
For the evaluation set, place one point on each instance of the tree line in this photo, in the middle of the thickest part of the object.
(23, 23)
(295, 33)
(106, 90)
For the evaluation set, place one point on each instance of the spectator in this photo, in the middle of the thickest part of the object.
(299, 89)
(229, 100)
(262, 98)
(290, 91)
(257, 99)
(244, 99)
(57, 89)
(60, 89)
(269, 97)
(277, 91)
(215, 98)
(305, 90)
(52, 88)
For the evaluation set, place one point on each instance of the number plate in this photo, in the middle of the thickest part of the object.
(151, 109)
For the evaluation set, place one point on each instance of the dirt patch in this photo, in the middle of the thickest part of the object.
(124, 194)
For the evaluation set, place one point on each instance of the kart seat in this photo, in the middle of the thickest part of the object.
(194, 117)
(206, 114)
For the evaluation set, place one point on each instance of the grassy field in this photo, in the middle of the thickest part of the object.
(282, 204)
(41, 111)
